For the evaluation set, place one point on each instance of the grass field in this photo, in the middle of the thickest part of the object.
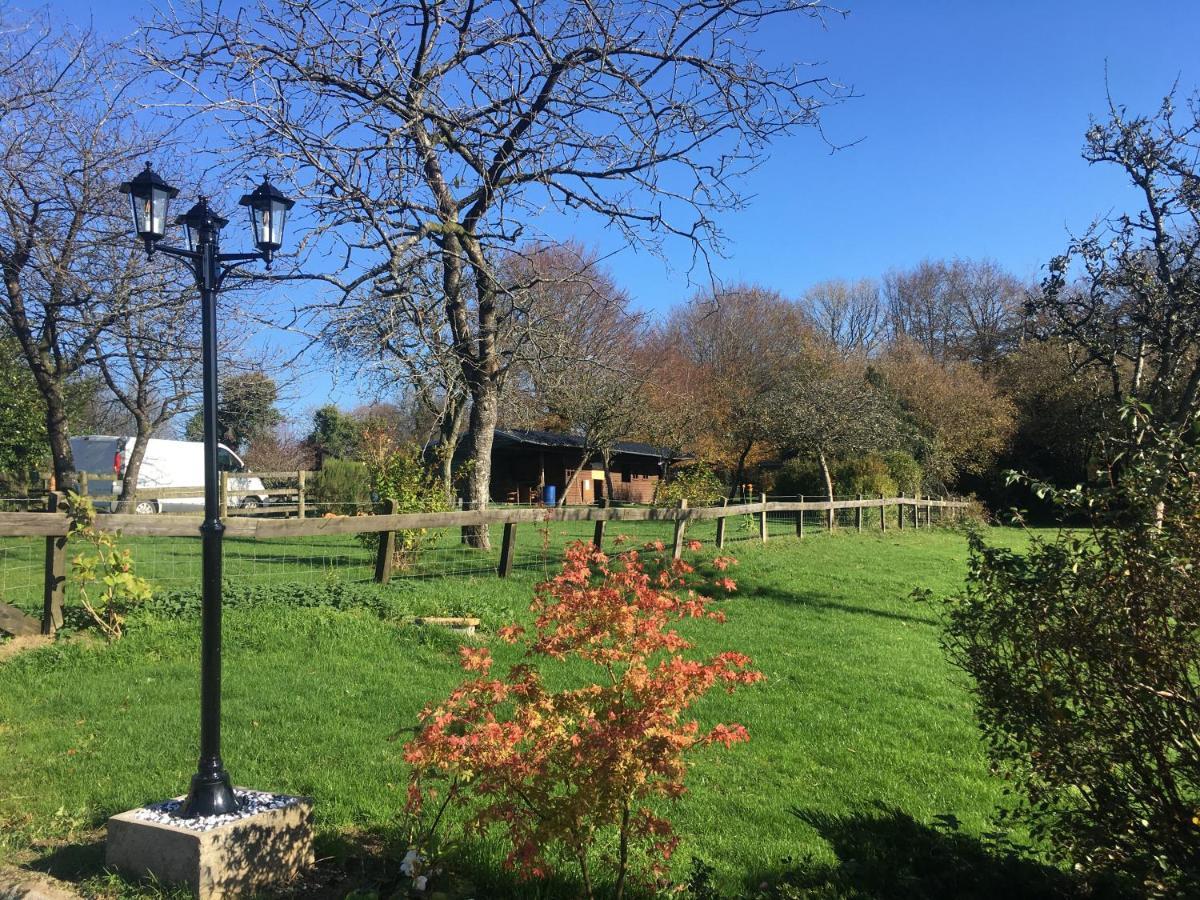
(864, 776)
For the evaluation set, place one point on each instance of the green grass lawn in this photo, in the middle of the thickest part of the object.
(862, 750)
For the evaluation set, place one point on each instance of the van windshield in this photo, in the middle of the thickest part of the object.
(227, 462)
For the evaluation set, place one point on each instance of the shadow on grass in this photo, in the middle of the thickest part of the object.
(886, 854)
(72, 862)
(818, 601)
(363, 862)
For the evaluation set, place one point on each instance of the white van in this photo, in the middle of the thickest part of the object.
(166, 465)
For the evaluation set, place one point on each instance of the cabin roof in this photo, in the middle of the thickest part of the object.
(524, 437)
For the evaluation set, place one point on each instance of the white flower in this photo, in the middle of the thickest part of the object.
(411, 860)
(419, 882)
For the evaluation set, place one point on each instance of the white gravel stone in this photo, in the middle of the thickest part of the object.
(249, 803)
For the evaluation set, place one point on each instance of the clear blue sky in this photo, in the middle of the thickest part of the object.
(970, 120)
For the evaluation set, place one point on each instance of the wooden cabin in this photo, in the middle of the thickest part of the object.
(524, 463)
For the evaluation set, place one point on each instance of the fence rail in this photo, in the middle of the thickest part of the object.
(86, 482)
(54, 526)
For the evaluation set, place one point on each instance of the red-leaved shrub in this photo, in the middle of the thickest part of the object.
(559, 771)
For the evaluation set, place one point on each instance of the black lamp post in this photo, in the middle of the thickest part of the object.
(211, 791)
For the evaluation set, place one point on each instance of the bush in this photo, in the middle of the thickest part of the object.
(868, 475)
(697, 484)
(560, 771)
(800, 476)
(905, 472)
(398, 472)
(1085, 653)
(342, 487)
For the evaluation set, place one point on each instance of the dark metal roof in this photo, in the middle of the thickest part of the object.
(558, 440)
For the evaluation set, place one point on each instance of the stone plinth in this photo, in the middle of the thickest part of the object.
(269, 843)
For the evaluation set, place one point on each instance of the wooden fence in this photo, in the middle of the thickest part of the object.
(53, 525)
(283, 501)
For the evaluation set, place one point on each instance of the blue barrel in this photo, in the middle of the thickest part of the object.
(550, 494)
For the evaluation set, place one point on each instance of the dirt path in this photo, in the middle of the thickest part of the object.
(20, 644)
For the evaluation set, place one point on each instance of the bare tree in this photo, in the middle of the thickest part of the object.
(395, 336)
(446, 127)
(149, 360)
(63, 148)
(740, 339)
(583, 371)
(956, 309)
(848, 314)
(1128, 291)
(825, 409)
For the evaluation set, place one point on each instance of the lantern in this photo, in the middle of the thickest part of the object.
(268, 213)
(148, 198)
(197, 220)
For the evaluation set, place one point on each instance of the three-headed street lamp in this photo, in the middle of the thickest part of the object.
(211, 791)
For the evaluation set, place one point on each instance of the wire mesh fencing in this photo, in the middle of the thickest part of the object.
(22, 572)
(309, 553)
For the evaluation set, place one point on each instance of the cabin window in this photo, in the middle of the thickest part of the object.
(625, 476)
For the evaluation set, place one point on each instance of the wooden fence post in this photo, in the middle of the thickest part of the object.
(387, 547)
(800, 520)
(721, 526)
(224, 495)
(917, 511)
(900, 511)
(598, 535)
(83, 484)
(762, 519)
(680, 528)
(858, 515)
(882, 513)
(300, 478)
(507, 549)
(830, 519)
(55, 580)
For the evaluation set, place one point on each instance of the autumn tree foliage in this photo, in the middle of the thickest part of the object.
(560, 772)
(735, 342)
(963, 419)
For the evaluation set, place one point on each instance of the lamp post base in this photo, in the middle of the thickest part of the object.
(266, 846)
(211, 794)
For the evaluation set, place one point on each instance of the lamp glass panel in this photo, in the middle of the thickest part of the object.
(138, 209)
(278, 218)
(158, 211)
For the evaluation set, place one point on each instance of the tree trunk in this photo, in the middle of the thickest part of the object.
(485, 409)
(587, 454)
(608, 482)
(59, 434)
(450, 430)
(740, 472)
(828, 484)
(133, 467)
(50, 386)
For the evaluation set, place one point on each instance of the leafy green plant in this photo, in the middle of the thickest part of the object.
(103, 573)
(333, 594)
(697, 484)
(1085, 654)
(398, 472)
